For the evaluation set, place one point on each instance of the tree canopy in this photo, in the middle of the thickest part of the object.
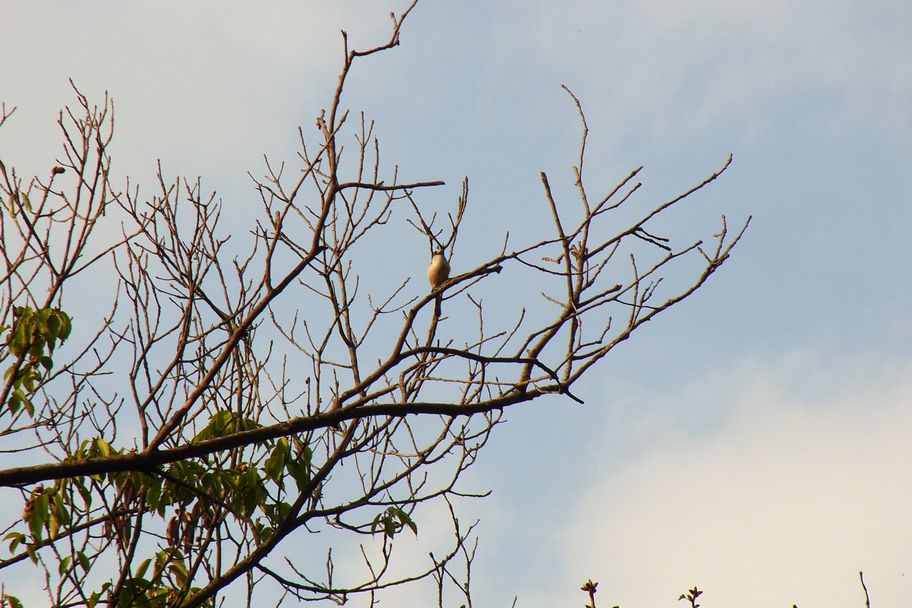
(248, 395)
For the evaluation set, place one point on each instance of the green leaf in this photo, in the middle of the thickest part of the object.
(18, 341)
(100, 447)
(127, 596)
(15, 401)
(180, 572)
(36, 348)
(305, 454)
(405, 520)
(141, 569)
(282, 510)
(275, 464)
(393, 520)
(83, 561)
(28, 380)
(38, 515)
(262, 531)
(12, 601)
(59, 509)
(187, 471)
(300, 466)
(16, 539)
(153, 487)
(389, 526)
(299, 472)
(66, 325)
(84, 492)
(52, 325)
(53, 526)
(221, 423)
(64, 564)
(250, 490)
(27, 404)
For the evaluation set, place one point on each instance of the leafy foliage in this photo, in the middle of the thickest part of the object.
(31, 339)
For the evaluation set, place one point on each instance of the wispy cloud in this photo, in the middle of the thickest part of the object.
(802, 486)
(683, 68)
(202, 87)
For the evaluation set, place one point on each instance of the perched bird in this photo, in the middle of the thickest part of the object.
(437, 273)
(439, 270)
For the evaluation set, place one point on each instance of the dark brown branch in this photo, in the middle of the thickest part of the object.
(147, 461)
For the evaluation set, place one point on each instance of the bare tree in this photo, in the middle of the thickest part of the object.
(240, 400)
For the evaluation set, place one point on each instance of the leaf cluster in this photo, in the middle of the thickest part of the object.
(31, 339)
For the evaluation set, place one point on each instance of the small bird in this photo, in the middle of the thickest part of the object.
(437, 273)
(439, 269)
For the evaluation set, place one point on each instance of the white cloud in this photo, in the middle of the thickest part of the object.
(803, 485)
(204, 87)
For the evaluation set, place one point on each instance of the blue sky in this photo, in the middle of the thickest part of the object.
(754, 441)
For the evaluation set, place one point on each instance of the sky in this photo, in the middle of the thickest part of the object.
(755, 441)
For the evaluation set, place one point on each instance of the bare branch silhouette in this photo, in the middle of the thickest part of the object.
(247, 393)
